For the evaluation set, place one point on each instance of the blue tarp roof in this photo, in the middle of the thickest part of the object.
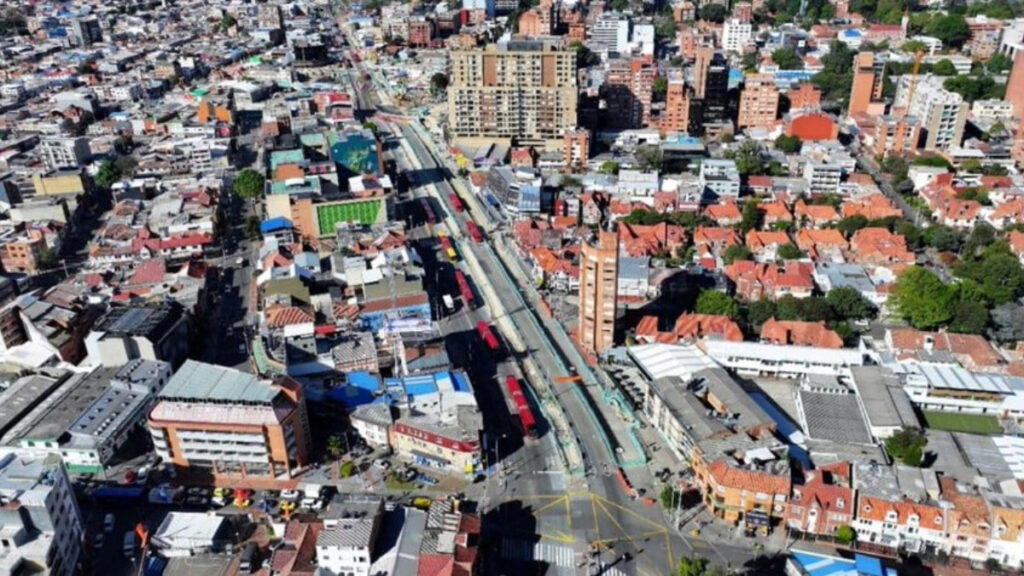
(275, 224)
(460, 382)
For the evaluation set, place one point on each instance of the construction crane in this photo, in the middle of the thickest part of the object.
(913, 79)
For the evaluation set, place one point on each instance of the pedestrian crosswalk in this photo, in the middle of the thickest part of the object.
(522, 550)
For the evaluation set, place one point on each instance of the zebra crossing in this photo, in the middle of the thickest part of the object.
(552, 554)
(522, 550)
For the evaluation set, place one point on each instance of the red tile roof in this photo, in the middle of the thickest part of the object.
(791, 332)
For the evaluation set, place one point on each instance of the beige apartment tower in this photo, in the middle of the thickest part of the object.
(599, 279)
(759, 101)
(523, 91)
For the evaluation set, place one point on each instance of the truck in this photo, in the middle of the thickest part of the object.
(487, 335)
(522, 406)
(456, 202)
(464, 289)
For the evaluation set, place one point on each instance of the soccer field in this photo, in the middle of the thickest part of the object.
(971, 423)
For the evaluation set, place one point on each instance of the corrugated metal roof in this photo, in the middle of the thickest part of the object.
(200, 381)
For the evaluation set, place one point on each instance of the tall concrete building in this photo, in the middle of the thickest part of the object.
(1015, 85)
(710, 109)
(759, 101)
(523, 91)
(864, 88)
(701, 63)
(610, 33)
(86, 31)
(676, 117)
(943, 114)
(599, 271)
(627, 91)
(736, 34)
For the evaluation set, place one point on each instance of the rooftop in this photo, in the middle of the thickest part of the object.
(207, 382)
(151, 322)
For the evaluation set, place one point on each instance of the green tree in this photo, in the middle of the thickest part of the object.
(759, 312)
(787, 59)
(620, 5)
(107, 175)
(907, 446)
(252, 227)
(736, 252)
(921, 298)
(751, 216)
(934, 161)
(951, 29)
(693, 566)
(999, 63)
(749, 159)
(836, 76)
(347, 469)
(845, 535)
(438, 83)
(660, 88)
(713, 13)
(969, 317)
(851, 224)
(849, 304)
(910, 232)
(974, 88)
(750, 61)
(944, 68)
(789, 252)
(584, 56)
(649, 157)
(668, 497)
(249, 185)
(997, 273)
(609, 167)
(942, 238)
(334, 446)
(227, 22)
(789, 144)
(47, 259)
(913, 46)
(717, 303)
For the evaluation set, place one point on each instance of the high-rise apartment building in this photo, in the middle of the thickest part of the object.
(577, 148)
(896, 135)
(521, 90)
(759, 101)
(702, 61)
(736, 34)
(1015, 85)
(710, 109)
(943, 114)
(676, 117)
(627, 91)
(867, 84)
(610, 33)
(599, 270)
(86, 31)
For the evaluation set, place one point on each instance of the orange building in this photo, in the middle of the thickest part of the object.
(676, 117)
(759, 101)
(1015, 85)
(804, 97)
(530, 24)
(577, 148)
(863, 91)
(208, 111)
(421, 32)
(599, 278)
(22, 254)
(737, 494)
(219, 424)
(810, 127)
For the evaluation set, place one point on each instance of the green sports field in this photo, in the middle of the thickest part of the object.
(364, 212)
(970, 423)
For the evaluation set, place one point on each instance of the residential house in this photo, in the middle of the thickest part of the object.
(754, 280)
(972, 351)
(724, 213)
(815, 215)
(659, 239)
(689, 326)
(879, 247)
(775, 213)
(824, 502)
(764, 245)
(826, 244)
(796, 333)
(711, 242)
(872, 207)
(968, 523)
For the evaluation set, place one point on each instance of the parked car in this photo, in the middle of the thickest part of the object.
(291, 495)
(108, 523)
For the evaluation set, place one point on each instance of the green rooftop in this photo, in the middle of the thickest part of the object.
(362, 211)
(279, 157)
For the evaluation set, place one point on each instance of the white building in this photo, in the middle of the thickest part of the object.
(351, 526)
(950, 388)
(610, 33)
(59, 152)
(39, 518)
(372, 422)
(720, 177)
(992, 109)
(642, 41)
(943, 113)
(823, 178)
(190, 533)
(782, 361)
(735, 34)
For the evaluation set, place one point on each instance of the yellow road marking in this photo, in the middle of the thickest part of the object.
(632, 513)
(568, 514)
(559, 536)
(616, 522)
(546, 506)
(593, 508)
(654, 533)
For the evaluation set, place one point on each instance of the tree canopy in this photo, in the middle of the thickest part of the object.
(789, 144)
(849, 304)
(249, 184)
(713, 13)
(907, 446)
(107, 175)
(787, 59)
(717, 303)
(922, 299)
(951, 29)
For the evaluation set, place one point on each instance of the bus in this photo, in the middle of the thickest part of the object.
(464, 289)
(487, 335)
(474, 231)
(456, 202)
(428, 212)
(526, 419)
